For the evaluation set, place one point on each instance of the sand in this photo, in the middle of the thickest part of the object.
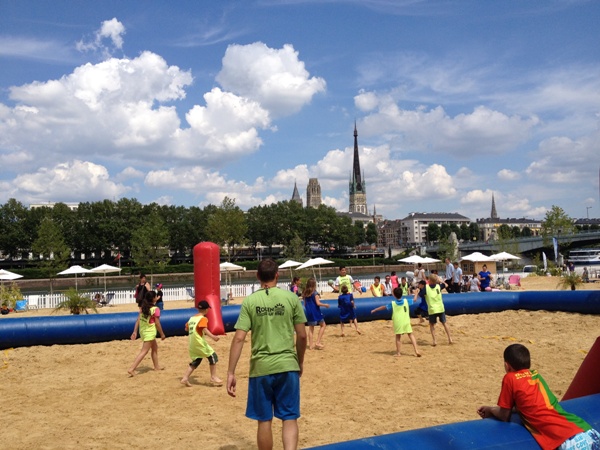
(79, 396)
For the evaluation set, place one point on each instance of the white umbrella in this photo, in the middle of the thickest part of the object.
(413, 259)
(228, 267)
(289, 264)
(428, 260)
(503, 256)
(105, 268)
(74, 270)
(477, 257)
(8, 275)
(315, 262)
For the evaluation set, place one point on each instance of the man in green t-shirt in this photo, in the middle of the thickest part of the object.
(273, 315)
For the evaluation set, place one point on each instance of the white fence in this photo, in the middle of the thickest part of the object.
(125, 296)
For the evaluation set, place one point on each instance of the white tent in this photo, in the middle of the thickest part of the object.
(503, 256)
(477, 257)
(228, 267)
(74, 270)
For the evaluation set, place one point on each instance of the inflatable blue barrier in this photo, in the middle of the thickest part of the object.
(474, 434)
(85, 329)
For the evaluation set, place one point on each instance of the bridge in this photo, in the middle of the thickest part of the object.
(528, 244)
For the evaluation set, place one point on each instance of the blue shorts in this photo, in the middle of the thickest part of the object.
(433, 318)
(315, 323)
(274, 395)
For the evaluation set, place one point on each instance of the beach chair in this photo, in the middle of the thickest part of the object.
(191, 293)
(21, 306)
(107, 299)
(514, 280)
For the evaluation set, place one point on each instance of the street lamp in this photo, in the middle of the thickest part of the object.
(587, 211)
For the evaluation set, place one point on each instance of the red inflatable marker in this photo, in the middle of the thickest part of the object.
(207, 283)
(586, 381)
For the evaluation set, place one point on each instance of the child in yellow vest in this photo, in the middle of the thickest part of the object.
(197, 327)
(148, 322)
(401, 319)
(435, 306)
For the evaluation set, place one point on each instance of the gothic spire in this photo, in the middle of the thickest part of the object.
(356, 176)
(296, 195)
(494, 214)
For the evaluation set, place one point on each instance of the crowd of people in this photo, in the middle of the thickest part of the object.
(277, 320)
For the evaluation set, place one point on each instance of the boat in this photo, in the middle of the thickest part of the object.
(586, 256)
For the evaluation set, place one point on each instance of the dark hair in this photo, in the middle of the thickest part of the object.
(378, 278)
(295, 279)
(344, 289)
(398, 292)
(267, 270)
(517, 355)
(142, 275)
(393, 272)
(148, 302)
(342, 267)
(422, 282)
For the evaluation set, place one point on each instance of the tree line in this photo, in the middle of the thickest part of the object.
(150, 233)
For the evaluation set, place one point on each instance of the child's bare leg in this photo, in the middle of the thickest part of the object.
(450, 341)
(213, 375)
(342, 325)
(154, 356)
(319, 344)
(398, 344)
(414, 343)
(186, 377)
(356, 326)
(311, 332)
(432, 329)
(138, 359)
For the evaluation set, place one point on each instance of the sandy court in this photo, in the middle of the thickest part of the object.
(79, 396)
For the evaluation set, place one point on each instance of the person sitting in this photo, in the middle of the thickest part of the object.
(4, 309)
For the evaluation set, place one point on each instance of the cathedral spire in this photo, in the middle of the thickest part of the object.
(296, 195)
(493, 214)
(358, 188)
(356, 176)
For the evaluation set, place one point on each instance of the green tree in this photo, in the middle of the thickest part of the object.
(516, 231)
(51, 249)
(150, 244)
(13, 235)
(227, 226)
(447, 249)
(359, 233)
(526, 232)
(556, 222)
(504, 232)
(445, 231)
(371, 233)
(296, 249)
(465, 234)
(433, 232)
(474, 233)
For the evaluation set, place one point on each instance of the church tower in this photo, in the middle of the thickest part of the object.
(313, 193)
(296, 195)
(493, 214)
(358, 188)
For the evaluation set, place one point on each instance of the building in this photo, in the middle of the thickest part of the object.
(296, 195)
(488, 228)
(313, 193)
(71, 206)
(388, 233)
(413, 228)
(358, 187)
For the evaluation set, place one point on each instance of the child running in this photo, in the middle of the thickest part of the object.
(314, 316)
(421, 310)
(435, 306)
(401, 320)
(346, 305)
(148, 322)
(197, 327)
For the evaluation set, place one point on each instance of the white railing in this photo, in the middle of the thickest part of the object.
(126, 296)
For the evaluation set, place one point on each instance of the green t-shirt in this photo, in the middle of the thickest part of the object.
(271, 318)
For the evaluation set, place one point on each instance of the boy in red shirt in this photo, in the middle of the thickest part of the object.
(551, 426)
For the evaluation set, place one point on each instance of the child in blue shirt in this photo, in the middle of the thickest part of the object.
(346, 305)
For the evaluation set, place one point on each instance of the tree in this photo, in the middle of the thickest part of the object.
(504, 232)
(359, 233)
(526, 232)
(433, 232)
(474, 231)
(296, 249)
(371, 233)
(445, 231)
(465, 234)
(150, 244)
(13, 234)
(556, 222)
(227, 226)
(51, 248)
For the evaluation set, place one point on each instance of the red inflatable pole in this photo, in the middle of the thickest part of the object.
(207, 283)
(586, 381)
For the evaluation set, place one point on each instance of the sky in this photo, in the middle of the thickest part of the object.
(184, 103)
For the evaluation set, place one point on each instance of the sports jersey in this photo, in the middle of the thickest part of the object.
(346, 280)
(433, 295)
(147, 324)
(377, 291)
(539, 409)
(197, 345)
(271, 315)
(400, 315)
(346, 307)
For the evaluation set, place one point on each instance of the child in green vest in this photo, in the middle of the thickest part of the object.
(435, 306)
(401, 319)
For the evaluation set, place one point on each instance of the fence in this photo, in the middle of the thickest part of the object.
(126, 296)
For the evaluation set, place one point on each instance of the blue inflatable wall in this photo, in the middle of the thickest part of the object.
(84, 329)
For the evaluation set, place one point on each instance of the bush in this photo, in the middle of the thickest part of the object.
(76, 303)
(9, 295)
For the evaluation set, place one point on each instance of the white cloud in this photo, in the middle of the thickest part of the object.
(366, 101)
(508, 175)
(113, 30)
(76, 181)
(275, 78)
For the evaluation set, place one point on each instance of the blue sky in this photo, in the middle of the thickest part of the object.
(186, 102)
